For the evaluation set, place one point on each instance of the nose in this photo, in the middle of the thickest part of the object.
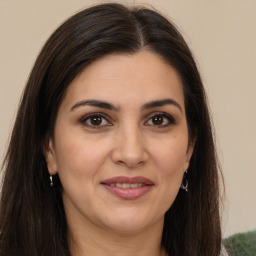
(130, 148)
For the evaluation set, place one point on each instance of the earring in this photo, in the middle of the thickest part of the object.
(184, 184)
(51, 181)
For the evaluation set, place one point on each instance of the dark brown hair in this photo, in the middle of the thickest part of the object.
(32, 217)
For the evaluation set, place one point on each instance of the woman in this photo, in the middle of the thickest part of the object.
(112, 151)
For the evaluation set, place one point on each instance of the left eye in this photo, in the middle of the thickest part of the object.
(160, 120)
(95, 121)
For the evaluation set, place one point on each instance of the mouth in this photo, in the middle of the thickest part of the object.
(128, 188)
(126, 185)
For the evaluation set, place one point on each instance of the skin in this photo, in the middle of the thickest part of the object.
(125, 142)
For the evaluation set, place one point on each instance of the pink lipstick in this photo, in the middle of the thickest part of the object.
(128, 187)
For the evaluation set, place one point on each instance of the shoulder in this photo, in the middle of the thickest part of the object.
(223, 251)
(241, 244)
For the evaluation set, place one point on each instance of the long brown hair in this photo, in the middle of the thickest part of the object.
(32, 217)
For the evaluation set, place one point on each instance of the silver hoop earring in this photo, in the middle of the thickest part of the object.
(51, 181)
(184, 184)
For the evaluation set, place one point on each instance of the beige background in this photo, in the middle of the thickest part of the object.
(222, 35)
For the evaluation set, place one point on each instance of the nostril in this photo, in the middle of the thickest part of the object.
(130, 159)
(129, 148)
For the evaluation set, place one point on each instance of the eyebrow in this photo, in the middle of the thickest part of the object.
(160, 103)
(106, 105)
(95, 103)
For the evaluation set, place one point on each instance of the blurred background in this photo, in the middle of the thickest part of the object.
(222, 36)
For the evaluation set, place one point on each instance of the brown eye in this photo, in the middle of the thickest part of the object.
(157, 120)
(160, 120)
(95, 121)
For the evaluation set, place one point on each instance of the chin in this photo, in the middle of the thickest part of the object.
(125, 222)
(128, 227)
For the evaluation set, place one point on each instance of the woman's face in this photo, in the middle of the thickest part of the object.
(120, 143)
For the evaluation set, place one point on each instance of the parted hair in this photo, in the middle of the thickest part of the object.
(32, 216)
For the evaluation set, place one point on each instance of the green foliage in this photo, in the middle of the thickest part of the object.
(241, 244)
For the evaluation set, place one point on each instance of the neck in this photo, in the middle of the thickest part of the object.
(93, 241)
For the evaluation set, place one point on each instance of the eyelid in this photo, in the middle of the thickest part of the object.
(171, 119)
(100, 114)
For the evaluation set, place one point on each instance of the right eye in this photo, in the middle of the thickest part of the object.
(95, 121)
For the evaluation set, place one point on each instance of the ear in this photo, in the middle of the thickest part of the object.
(50, 156)
(189, 153)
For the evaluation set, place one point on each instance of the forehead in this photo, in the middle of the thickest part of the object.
(140, 77)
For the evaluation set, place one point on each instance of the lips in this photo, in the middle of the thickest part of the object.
(128, 187)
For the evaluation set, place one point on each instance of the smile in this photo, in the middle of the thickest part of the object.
(128, 188)
(127, 185)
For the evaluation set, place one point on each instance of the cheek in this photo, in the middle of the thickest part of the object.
(171, 155)
(79, 161)
(170, 161)
(79, 157)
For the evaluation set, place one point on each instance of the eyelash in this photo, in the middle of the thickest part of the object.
(166, 117)
(84, 119)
